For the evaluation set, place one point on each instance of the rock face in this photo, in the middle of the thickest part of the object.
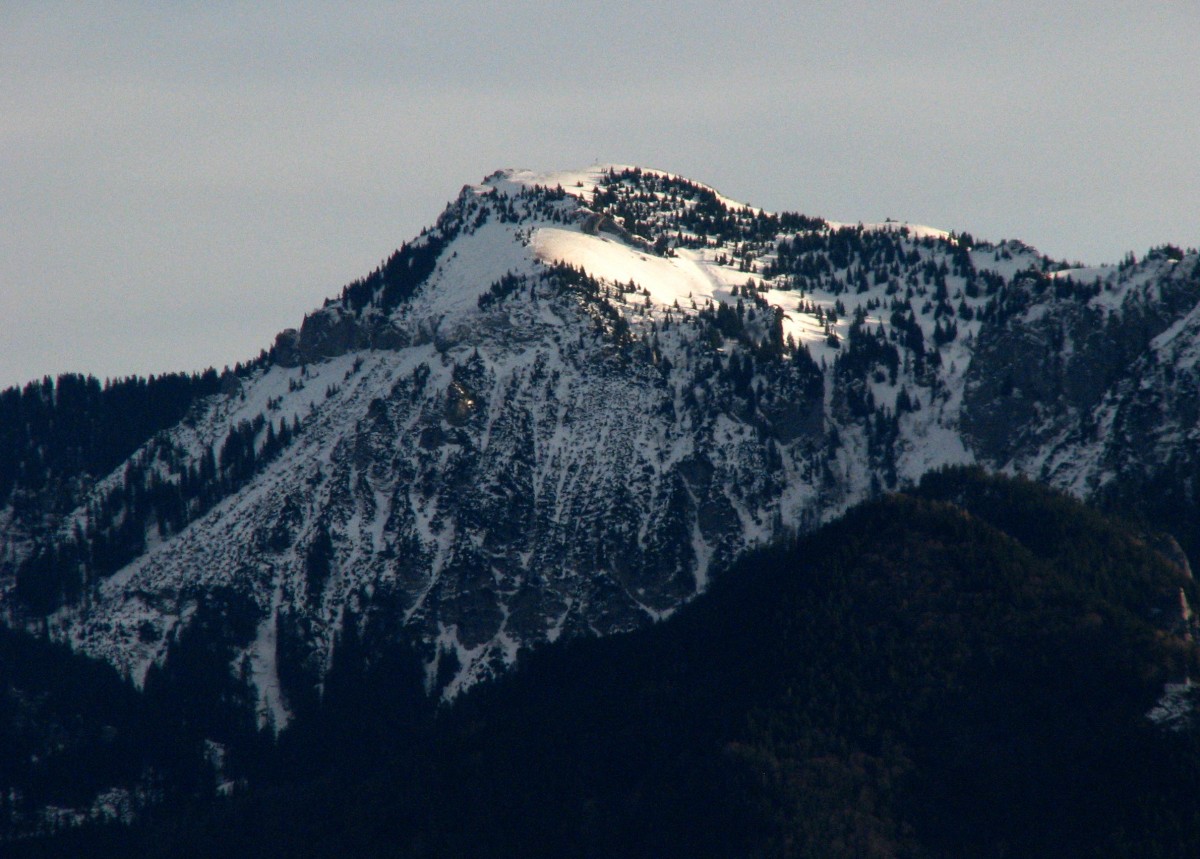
(330, 333)
(1046, 376)
(558, 412)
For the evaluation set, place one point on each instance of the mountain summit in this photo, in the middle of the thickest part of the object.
(575, 398)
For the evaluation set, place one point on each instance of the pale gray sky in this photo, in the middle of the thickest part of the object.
(179, 181)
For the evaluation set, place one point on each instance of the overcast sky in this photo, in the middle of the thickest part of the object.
(180, 181)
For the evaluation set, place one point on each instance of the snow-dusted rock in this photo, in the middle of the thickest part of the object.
(579, 395)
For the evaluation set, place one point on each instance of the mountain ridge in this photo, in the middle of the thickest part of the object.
(565, 406)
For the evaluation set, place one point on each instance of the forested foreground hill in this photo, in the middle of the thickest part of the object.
(962, 670)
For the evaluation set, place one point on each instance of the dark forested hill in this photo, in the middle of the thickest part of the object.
(59, 429)
(963, 670)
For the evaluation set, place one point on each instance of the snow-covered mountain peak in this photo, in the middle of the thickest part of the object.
(576, 397)
(677, 245)
(578, 183)
(583, 183)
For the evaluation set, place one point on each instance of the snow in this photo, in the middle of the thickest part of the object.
(477, 260)
(591, 427)
(114, 804)
(928, 445)
(668, 280)
(581, 183)
(1083, 274)
(1174, 709)
(916, 231)
(1181, 338)
(264, 671)
(576, 182)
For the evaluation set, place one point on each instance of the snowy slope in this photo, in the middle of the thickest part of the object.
(580, 395)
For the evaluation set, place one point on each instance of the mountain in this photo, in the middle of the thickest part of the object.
(973, 668)
(560, 411)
